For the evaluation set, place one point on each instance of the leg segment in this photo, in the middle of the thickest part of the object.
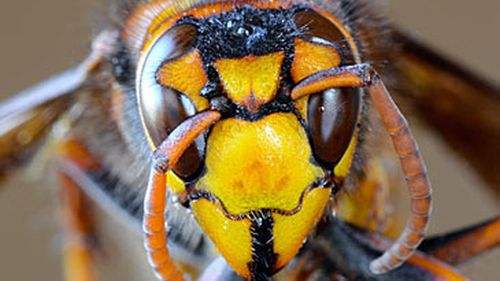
(79, 232)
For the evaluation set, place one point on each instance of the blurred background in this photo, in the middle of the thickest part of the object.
(40, 38)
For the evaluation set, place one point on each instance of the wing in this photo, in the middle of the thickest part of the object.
(460, 106)
(26, 118)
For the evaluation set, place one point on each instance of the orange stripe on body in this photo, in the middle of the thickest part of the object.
(311, 58)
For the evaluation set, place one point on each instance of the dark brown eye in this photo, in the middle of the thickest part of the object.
(163, 108)
(332, 117)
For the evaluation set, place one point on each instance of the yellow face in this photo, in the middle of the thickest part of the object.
(259, 180)
(270, 164)
(261, 194)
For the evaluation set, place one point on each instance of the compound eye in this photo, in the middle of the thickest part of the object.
(332, 115)
(332, 118)
(315, 26)
(164, 108)
(319, 29)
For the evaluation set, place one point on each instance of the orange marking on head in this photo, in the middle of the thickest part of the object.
(311, 58)
(185, 75)
(251, 81)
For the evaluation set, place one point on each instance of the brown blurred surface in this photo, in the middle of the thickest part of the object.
(40, 38)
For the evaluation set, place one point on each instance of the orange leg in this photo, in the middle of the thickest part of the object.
(79, 238)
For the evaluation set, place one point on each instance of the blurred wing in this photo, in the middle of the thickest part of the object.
(26, 118)
(22, 132)
(460, 106)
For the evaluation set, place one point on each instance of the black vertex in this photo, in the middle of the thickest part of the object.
(244, 31)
